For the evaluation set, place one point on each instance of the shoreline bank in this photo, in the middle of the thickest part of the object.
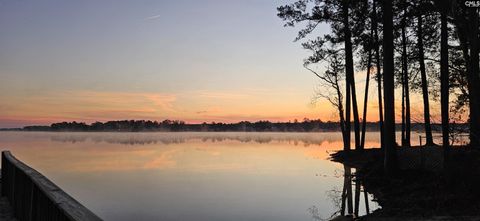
(423, 187)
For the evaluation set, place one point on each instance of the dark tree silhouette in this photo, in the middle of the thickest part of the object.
(330, 79)
(429, 65)
(423, 74)
(466, 22)
(379, 72)
(444, 7)
(388, 82)
(345, 28)
(406, 115)
(349, 70)
(368, 46)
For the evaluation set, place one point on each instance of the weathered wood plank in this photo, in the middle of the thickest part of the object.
(6, 211)
(35, 197)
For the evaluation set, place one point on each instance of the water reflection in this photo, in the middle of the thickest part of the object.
(190, 176)
(351, 202)
(192, 151)
(350, 206)
(302, 139)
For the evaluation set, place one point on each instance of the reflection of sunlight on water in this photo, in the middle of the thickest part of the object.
(330, 139)
(100, 151)
(173, 151)
(325, 139)
(169, 151)
(285, 173)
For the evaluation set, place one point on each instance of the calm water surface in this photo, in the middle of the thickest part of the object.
(191, 176)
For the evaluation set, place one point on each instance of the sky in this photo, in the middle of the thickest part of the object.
(191, 60)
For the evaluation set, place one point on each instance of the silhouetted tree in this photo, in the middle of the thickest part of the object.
(379, 72)
(349, 70)
(388, 82)
(368, 46)
(423, 73)
(330, 79)
(337, 13)
(444, 7)
(406, 119)
(466, 22)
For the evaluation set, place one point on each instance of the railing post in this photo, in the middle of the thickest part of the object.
(32, 204)
(4, 175)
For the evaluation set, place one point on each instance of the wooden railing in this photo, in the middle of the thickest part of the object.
(34, 197)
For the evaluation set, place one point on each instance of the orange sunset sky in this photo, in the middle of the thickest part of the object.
(222, 61)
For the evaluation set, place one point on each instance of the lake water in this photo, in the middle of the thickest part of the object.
(192, 176)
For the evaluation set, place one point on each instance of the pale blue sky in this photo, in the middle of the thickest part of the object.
(50, 49)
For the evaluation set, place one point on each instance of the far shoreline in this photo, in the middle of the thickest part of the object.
(315, 126)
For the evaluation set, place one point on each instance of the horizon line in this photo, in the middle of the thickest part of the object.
(208, 123)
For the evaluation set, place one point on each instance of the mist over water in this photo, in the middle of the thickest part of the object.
(191, 175)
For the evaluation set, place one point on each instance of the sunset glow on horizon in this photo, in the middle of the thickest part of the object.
(221, 61)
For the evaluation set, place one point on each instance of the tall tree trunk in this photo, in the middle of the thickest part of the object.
(340, 110)
(406, 86)
(379, 74)
(349, 71)
(444, 87)
(467, 26)
(367, 83)
(402, 79)
(403, 138)
(388, 82)
(342, 127)
(467, 32)
(423, 73)
(356, 120)
(473, 78)
(348, 124)
(365, 101)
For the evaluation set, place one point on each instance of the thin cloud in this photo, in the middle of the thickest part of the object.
(222, 95)
(153, 17)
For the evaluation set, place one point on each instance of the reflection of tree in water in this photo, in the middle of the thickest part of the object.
(127, 140)
(336, 198)
(315, 213)
(297, 139)
(346, 202)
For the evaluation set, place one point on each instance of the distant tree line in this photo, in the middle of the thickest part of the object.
(306, 125)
